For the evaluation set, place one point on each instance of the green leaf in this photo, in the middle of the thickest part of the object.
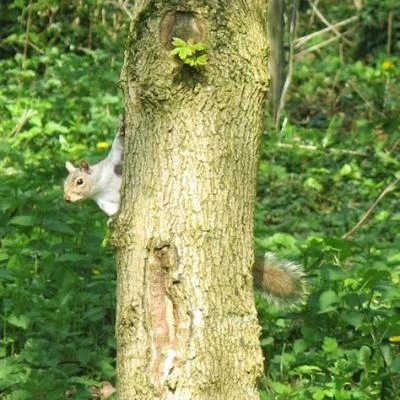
(330, 345)
(54, 127)
(199, 46)
(177, 42)
(5, 274)
(18, 321)
(202, 60)
(395, 365)
(184, 52)
(364, 356)
(175, 51)
(74, 257)
(345, 170)
(107, 369)
(268, 341)
(313, 183)
(55, 225)
(299, 346)
(3, 255)
(353, 318)
(190, 61)
(24, 220)
(328, 301)
(11, 373)
(279, 387)
(189, 51)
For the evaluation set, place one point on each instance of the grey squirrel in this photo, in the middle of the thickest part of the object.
(100, 182)
(277, 280)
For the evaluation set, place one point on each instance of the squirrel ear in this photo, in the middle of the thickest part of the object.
(83, 165)
(69, 166)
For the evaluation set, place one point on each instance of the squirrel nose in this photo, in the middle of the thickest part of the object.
(67, 197)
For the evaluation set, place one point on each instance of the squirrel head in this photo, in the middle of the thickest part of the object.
(78, 185)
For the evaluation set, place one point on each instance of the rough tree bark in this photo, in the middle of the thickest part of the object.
(186, 322)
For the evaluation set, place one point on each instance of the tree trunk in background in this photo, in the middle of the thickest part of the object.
(186, 322)
(276, 60)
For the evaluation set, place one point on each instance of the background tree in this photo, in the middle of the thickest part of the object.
(276, 9)
(186, 322)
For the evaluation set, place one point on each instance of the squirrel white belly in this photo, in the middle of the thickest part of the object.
(278, 281)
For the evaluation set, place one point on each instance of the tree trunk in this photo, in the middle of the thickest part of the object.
(186, 322)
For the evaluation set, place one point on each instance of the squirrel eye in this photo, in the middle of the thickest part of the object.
(79, 181)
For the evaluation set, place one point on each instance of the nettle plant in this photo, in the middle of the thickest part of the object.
(190, 53)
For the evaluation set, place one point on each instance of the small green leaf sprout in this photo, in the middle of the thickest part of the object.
(190, 52)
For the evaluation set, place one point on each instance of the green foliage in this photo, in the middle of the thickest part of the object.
(58, 98)
(375, 18)
(337, 345)
(59, 66)
(318, 176)
(190, 52)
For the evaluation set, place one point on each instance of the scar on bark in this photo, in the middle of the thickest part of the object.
(162, 257)
(184, 25)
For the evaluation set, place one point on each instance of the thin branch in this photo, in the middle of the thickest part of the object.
(389, 33)
(394, 146)
(124, 7)
(317, 46)
(326, 22)
(312, 17)
(331, 150)
(38, 49)
(363, 97)
(27, 30)
(304, 39)
(387, 189)
(26, 116)
(292, 36)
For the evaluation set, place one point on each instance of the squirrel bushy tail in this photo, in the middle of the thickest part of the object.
(279, 281)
